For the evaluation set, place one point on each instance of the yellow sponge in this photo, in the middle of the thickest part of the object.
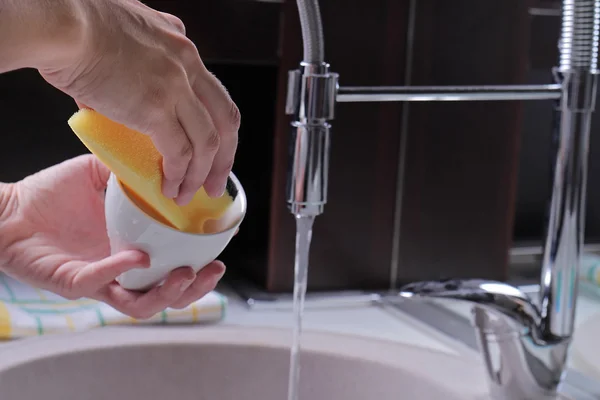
(134, 160)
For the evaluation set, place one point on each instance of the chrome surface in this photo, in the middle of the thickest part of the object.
(311, 93)
(348, 94)
(312, 31)
(435, 313)
(524, 342)
(521, 360)
(311, 99)
(564, 239)
(544, 12)
(431, 312)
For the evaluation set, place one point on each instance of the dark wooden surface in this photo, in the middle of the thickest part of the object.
(461, 158)
(229, 31)
(352, 240)
(461, 166)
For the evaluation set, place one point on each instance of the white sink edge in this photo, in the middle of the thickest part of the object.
(458, 375)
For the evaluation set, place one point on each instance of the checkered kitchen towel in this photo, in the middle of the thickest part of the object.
(27, 311)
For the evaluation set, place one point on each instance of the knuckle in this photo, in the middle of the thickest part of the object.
(185, 152)
(235, 118)
(213, 140)
(177, 24)
(188, 53)
(174, 22)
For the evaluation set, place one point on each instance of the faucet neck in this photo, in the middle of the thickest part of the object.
(565, 232)
(311, 100)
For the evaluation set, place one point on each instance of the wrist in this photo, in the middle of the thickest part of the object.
(38, 34)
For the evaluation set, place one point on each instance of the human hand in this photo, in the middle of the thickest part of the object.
(135, 65)
(53, 236)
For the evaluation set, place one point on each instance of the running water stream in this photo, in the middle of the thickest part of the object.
(303, 236)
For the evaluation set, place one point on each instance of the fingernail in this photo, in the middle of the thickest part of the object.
(185, 284)
(221, 190)
(217, 192)
(170, 191)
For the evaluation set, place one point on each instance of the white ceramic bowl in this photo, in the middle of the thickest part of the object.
(131, 228)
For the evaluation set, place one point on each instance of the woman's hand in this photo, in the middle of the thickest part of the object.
(135, 65)
(53, 236)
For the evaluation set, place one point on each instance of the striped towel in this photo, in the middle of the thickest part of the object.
(589, 269)
(27, 311)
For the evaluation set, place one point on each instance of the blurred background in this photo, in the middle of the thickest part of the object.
(476, 175)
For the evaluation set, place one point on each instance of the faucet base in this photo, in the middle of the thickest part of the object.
(453, 326)
(441, 315)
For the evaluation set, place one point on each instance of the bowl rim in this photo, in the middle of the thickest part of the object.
(241, 195)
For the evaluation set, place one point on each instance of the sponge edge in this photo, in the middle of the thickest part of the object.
(133, 159)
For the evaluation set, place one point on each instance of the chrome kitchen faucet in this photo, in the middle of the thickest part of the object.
(524, 341)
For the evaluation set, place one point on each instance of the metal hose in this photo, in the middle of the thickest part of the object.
(312, 31)
(579, 36)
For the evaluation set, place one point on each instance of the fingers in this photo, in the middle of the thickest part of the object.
(95, 275)
(205, 141)
(181, 288)
(226, 118)
(145, 305)
(173, 143)
(206, 281)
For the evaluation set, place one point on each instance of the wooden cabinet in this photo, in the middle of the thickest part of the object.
(461, 158)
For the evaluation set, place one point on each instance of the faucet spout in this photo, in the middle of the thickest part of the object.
(525, 343)
(504, 300)
(521, 362)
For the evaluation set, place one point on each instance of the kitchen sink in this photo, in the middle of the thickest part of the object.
(585, 351)
(229, 363)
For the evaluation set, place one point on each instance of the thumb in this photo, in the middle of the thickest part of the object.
(99, 173)
(93, 276)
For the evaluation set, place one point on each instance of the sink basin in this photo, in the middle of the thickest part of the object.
(585, 351)
(228, 363)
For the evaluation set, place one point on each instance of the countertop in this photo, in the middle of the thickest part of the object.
(375, 321)
(371, 321)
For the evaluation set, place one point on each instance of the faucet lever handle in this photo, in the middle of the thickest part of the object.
(501, 299)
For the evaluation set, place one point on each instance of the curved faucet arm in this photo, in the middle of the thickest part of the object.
(517, 310)
(520, 361)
